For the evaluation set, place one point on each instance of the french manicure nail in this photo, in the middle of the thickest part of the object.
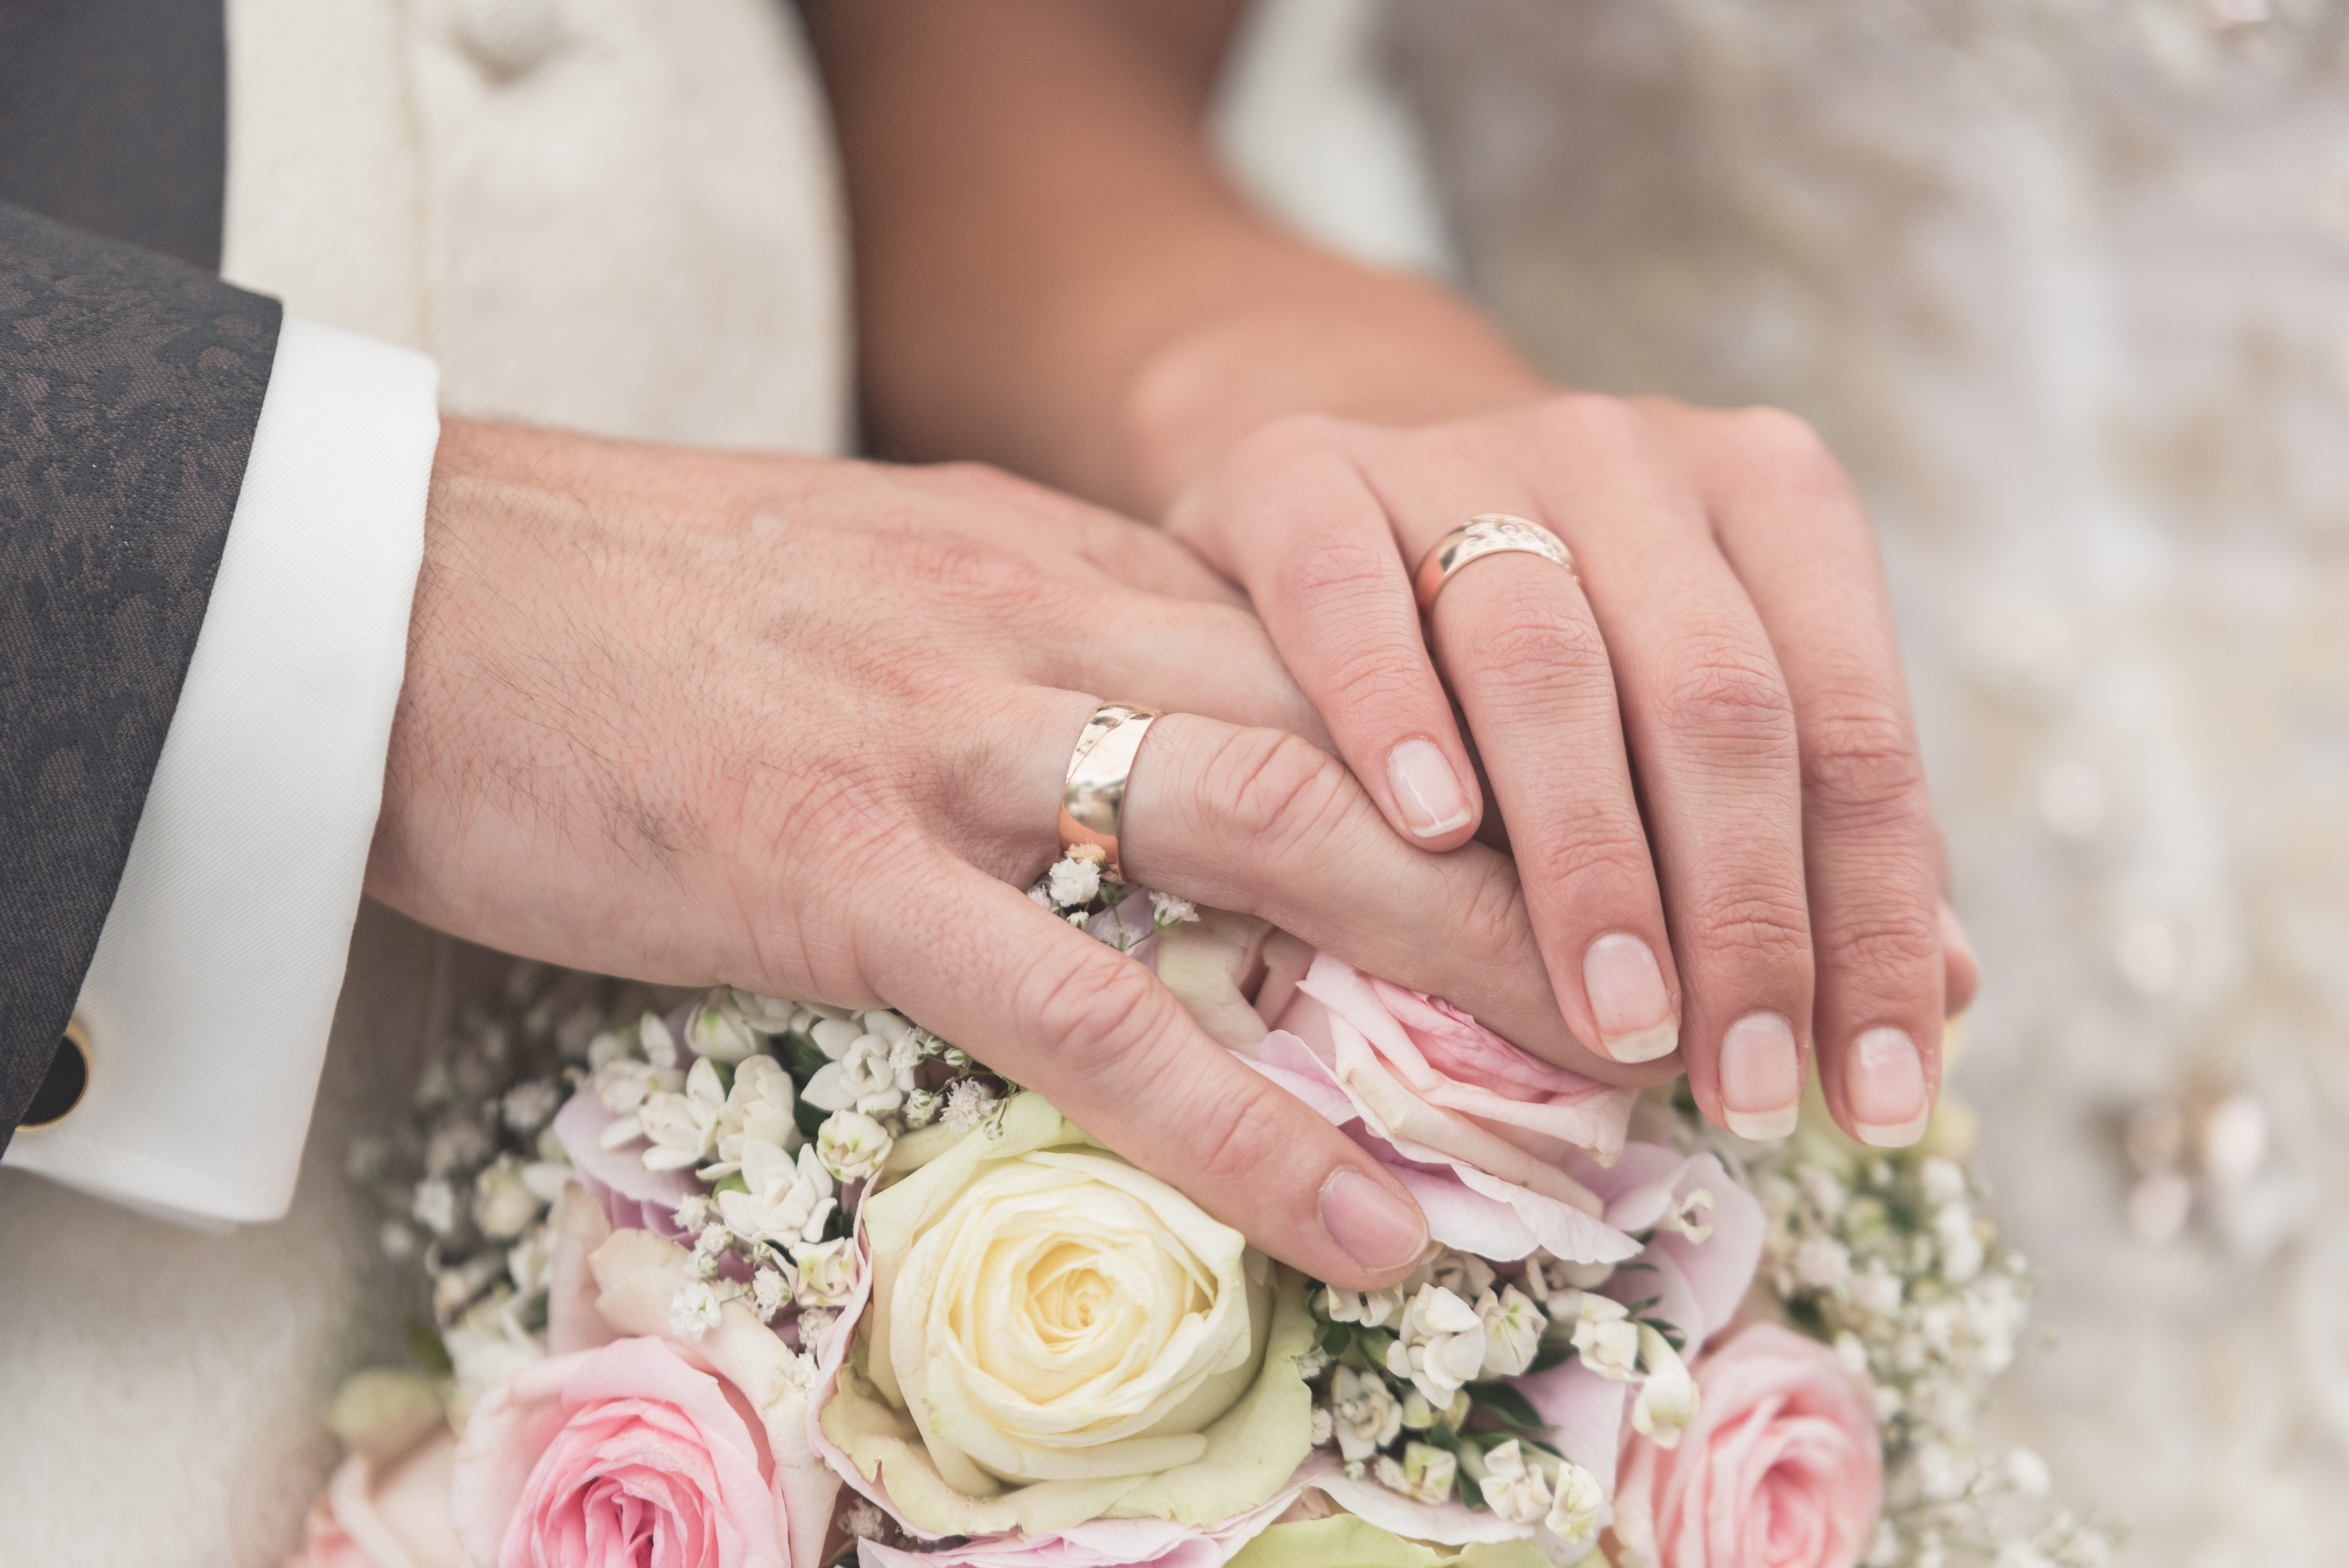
(1426, 792)
(1761, 1077)
(1886, 1087)
(1627, 999)
(1380, 1229)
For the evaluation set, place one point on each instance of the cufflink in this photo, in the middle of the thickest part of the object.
(67, 1081)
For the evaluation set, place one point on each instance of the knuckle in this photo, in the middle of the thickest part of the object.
(1093, 1018)
(1786, 447)
(1273, 790)
(1862, 762)
(1732, 690)
(1753, 929)
(1894, 938)
(1354, 565)
(1229, 1136)
(1593, 420)
(1538, 640)
(1596, 846)
(1277, 443)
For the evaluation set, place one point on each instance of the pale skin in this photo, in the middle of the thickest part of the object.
(799, 725)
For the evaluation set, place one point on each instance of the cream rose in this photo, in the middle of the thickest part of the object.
(1053, 1336)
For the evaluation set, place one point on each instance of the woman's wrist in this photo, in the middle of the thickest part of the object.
(1350, 343)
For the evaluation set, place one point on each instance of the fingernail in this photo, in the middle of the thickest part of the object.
(1761, 1077)
(1627, 999)
(1426, 792)
(1380, 1229)
(1886, 1087)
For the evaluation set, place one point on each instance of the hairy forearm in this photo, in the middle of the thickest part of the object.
(1053, 274)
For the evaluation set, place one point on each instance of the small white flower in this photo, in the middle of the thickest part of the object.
(814, 1321)
(1425, 1474)
(1548, 1275)
(529, 1263)
(1851, 1353)
(717, 1029)
(1325, 1425)
(789, 1201)
(1876, 1291)
(969, 1103)
(1371, 1309)
(770, 1289)
(623, 1083)
(1606, 1338)
(503, 1205)
(828, 1273)
(863, 1521)
(694, 1310)
(714, 1238)
(1513, 1488)
(434, 1205)
(683, 1128)
(527, 1106)
(1312, 1364)
(1165, 908)
(1513, 1331)
(693, 1211)
(851, 1145)
(874, 1074)
(1942, 1180)
(1680, 1218)
(768, 1014)
(1578, 1506)
(1037, 896)
(1073, 882)
(1961, 1248)
(1668, 1400)
(922, 1108)
(2028, 1473)
(1826, 1194)
(458, 1143)
(1821, 1262)
(1365, 1412)
(758, 1110)
(658, 1045)
(1464, 1275)
(608, 1046)
(1439, 1343)
(398, 1241)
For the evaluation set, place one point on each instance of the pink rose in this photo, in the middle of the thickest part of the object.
(1474, 1128)
(391, 1515)
(1697, 1286)
(625, 1457)
(1782, 1467)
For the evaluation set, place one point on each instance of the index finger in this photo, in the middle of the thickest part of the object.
(1094, 1031)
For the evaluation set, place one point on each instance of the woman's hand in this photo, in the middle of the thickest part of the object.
(802, 726)
(1699, 741)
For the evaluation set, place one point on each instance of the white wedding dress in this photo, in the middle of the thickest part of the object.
(2068, 286)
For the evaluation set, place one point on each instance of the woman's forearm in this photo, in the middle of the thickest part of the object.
(1054, 276)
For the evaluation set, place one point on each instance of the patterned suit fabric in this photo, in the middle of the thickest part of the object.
(130, 388)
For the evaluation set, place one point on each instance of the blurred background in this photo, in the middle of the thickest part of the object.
(2065, 283)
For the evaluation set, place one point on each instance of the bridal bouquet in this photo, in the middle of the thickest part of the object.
(735, 1280)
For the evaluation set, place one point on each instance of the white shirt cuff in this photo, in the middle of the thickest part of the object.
(209, 998)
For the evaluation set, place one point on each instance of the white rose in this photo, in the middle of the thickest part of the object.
(1053, 1336)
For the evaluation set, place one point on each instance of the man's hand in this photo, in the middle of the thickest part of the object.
(801, 726)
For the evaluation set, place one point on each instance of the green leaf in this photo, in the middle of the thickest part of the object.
(1505, 1405)
(424, 1344)
(810, 1117)
(800, 1055)
(1335, 1339)
(1549, 1355)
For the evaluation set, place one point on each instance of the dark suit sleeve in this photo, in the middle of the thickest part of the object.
(130, 388)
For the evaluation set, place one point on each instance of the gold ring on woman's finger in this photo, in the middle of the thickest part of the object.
(1492, 533)
(1094, 799)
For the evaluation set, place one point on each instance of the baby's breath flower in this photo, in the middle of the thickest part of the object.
(434, 1207)
(695, 1310)
(967, 1104)
(1166, 910)
(530, 1105)
(922, 1108)
(1325, 1425)
(503, 1205)
(693, 1211)
(814, 1321)
(770, 1289)
(863, 1521)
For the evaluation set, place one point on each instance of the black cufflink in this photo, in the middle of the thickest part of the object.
(67, 1080)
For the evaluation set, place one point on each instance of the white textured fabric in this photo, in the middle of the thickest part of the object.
(214, 985)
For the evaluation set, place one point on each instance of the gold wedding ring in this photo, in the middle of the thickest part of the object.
(1493, 533)
(1094, 797)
